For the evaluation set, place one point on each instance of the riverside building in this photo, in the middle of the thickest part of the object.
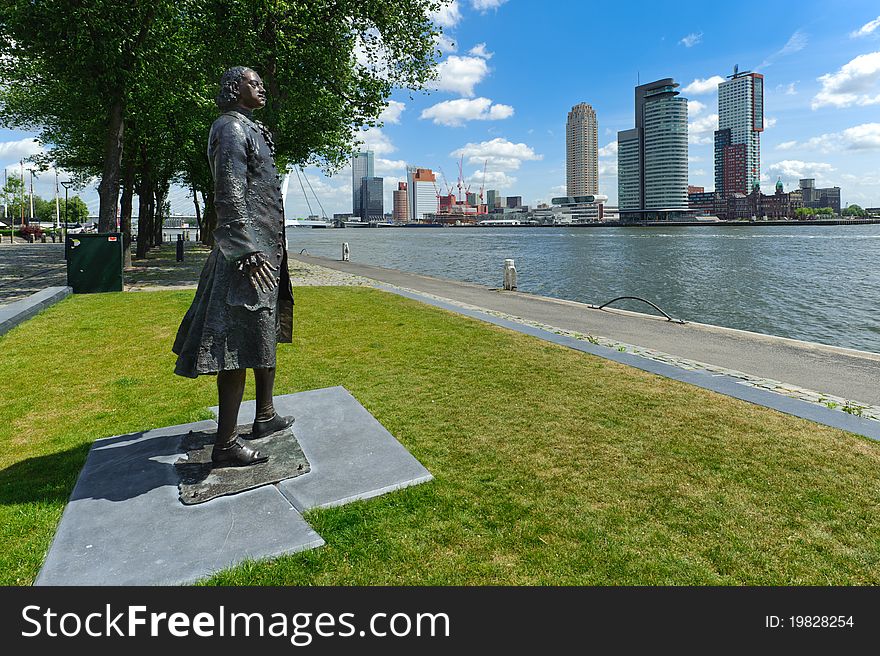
(738, 138)
(362, 165)
(400, 213)
(422, 193)
(653, 157)
(372, 199)
(582, 151)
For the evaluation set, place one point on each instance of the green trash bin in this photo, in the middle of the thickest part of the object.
(94, 262)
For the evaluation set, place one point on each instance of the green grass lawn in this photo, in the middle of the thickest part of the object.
(551, 466)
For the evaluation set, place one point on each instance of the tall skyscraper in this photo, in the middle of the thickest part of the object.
(421, 187)
(738, 138)
(400, 213)
(652, 157)
(372, 199)
(582, 151)
(361, 167)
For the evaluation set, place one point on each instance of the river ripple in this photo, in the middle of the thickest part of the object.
(817, 283)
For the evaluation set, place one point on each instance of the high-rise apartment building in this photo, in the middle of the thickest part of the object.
(362, 165)
(582, 151)
(422, 193)
(652, 158)
(400, 213)
(372, 199)
(491, 195)
(738, 138)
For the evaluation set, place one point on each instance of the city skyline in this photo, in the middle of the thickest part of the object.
(506, 100)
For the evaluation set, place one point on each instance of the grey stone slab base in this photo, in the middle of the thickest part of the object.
(200, 481)
(124, 524)
(720, 383)
(352, 455)
(15, 313)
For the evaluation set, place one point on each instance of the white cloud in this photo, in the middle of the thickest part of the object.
(16, 150)
(701, 130)
(447, 15)
(376, 140)
(695, 107)
(852, 84)
(494, 180)
(792, 170)
(769, 122)
(691, 39)
(609, 150)
(558, 189)
(698, 86)
(389, 167)
(501, 153)
(392, 112)
(867, 28)
(787, 145)
(460, 74)
(796, 42)
(608, 168)
(697, 172)
(485, 5)
(479, 50)
(444, 43)
(455, 112)
(862, 137)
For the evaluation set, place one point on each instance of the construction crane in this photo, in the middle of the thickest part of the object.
(460, 178)
(445, 181)
(436, 192)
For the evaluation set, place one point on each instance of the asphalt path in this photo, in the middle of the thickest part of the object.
(847, 373)
(28, 268)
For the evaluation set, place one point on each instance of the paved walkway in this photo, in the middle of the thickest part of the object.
(839, 378)
(28, 268)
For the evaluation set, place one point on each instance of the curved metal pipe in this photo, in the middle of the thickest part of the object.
(636, 298)
(305, 250)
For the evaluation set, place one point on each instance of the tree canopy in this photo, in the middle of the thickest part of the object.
(125, 90)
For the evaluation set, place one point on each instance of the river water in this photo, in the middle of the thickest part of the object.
(816, 283)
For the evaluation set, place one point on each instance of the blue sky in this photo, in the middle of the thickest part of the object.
(512, 69)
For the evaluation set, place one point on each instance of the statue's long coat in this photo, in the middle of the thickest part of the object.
(231, 325)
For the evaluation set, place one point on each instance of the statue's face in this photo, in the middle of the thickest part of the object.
(251, 93)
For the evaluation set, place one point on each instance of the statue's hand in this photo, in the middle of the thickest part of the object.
(259, 271)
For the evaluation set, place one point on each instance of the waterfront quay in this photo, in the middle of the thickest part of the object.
(823, 370)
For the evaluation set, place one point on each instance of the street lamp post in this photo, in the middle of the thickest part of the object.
(66, 184)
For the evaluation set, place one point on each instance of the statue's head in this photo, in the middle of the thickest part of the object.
(240, 86)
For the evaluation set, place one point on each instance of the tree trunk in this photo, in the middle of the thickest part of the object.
(209, 221)
(108, 190)
(161, 193)
(125, 212)
(198, 209)
(145, 214)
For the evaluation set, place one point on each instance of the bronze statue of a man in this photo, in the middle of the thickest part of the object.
(244, 303)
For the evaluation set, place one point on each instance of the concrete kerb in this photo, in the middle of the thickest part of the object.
(719, 383)
(18, 312)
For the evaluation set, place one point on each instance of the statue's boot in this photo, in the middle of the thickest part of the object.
(267, 421)
(236, 454)
(264, 427)
(228, 450)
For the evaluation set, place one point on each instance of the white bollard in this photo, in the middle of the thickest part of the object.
(346, 252)
(509, 275)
